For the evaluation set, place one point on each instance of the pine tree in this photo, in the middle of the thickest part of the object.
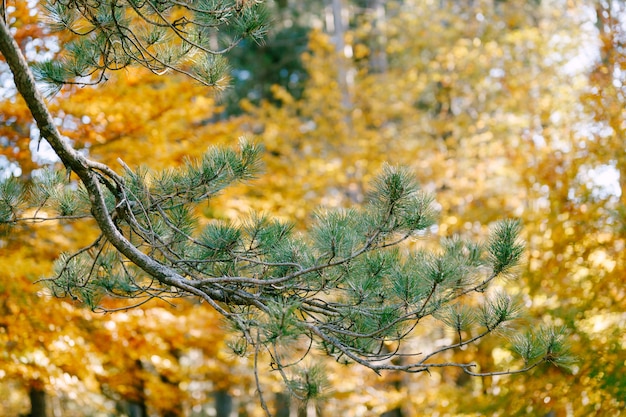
(348, 287)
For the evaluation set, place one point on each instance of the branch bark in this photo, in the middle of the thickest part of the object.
(89, 172)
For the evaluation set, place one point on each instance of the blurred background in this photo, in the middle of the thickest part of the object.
(502, 108)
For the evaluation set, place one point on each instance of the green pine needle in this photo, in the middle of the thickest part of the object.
(310, 383)
(527, 347)
(212, 70)
(458, 317)
(504, 248)
(11, 198)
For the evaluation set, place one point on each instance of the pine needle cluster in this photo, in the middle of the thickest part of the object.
(183, 36)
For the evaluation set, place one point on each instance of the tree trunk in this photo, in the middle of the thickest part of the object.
(378, 62)
(340, 46)
(37, 402)
(223, 404)
(132, 408)
(283, 405)
(396, 412)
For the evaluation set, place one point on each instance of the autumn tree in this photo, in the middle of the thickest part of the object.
(346, 287)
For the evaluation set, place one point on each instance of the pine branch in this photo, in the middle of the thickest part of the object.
(345, 286)
(84, 168)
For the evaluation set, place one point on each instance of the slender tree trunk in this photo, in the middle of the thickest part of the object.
(396, 412)
(340, 45)
(132, 408)
(138, 409)
(223, 404)
(37, 402)
(378, 63)
(283, 405)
